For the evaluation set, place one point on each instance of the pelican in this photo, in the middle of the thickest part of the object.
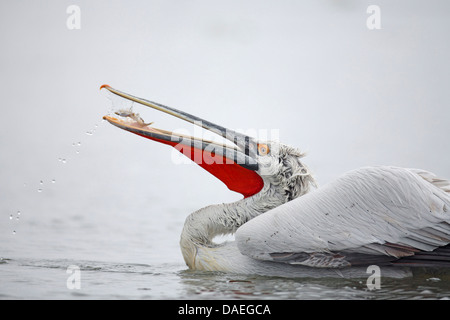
(391, 217)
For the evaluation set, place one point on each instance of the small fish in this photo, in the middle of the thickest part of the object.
(135, 116)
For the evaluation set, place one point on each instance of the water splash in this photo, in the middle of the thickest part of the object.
(43, 184)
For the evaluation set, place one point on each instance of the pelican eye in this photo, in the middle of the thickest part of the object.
(263, 149)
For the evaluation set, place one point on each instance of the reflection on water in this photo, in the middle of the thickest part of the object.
(46, 279)
(123, 254)
(225, 286)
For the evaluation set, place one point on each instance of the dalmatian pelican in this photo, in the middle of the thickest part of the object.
(392, 217)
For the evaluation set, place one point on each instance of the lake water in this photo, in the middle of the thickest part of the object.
(111, 205)
(24, 278)
(130, 256)
(111, 221)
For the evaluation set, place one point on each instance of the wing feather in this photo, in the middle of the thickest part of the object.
(368, 215)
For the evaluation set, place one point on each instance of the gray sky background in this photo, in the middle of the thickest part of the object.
(347, 95)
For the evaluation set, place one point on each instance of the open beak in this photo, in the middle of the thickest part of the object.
(235, 165)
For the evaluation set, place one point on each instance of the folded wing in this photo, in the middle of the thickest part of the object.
(373, 215)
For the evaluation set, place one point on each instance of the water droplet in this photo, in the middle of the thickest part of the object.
(78, 151)
(53, 181)
(10, 217)
(73, 144)
(41, 182)
(39, 190)
(89, 133)
(14, 232)
(17, 218)
(434, 279)
(79, 143)
(18, 213)
(63, 160)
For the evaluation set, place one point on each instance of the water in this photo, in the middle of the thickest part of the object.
(127, 255)
(119, 203)
(47, 279)
(120, 229)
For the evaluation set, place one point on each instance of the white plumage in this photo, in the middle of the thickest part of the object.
(372, 215)
(374, 211)
(388, 216)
